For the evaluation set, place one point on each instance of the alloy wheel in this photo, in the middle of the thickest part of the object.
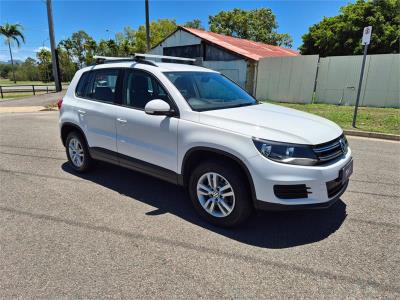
(76, 152)
(215, 194)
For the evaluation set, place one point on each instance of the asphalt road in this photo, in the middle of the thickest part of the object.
(114, 233)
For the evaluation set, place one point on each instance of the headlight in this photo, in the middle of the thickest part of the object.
(286, 153)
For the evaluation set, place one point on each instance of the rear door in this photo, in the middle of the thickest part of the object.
(96, 109)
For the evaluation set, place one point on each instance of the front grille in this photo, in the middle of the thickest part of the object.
(294, 191)
(329, 151)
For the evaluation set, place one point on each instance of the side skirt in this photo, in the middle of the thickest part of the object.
(135, 164)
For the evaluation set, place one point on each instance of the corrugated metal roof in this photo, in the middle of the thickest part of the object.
(247, 48)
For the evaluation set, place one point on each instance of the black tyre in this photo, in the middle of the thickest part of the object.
(220, 193)
(77, 152)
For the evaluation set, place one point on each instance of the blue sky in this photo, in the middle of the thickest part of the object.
(102, 19)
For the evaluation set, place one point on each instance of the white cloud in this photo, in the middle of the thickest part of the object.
(40, 48)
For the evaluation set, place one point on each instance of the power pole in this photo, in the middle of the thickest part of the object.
(147, 25)
(54, 59)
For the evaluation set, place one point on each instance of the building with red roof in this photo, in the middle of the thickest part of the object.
(234, 57)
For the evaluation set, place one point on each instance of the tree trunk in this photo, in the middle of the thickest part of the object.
(12, 61)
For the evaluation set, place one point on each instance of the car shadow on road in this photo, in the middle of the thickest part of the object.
(264, 229)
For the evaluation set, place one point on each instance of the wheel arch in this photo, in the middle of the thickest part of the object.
(197, 154)
(67, 127)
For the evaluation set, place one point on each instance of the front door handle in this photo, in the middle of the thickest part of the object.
(122, 120)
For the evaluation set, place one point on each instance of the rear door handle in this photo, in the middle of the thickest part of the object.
(82, 112)
(122, 120)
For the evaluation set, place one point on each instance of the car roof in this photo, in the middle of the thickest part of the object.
(160, 67)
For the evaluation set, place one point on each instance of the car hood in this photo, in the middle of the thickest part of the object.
(273, 122)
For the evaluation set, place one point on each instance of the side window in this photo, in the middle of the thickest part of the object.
(140, 88)
(102, 85)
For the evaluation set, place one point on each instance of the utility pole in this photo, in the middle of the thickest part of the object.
(54, 59)
(147, 25)
(365, 41)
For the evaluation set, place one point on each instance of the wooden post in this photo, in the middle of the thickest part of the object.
(1, 92)
(33, 89)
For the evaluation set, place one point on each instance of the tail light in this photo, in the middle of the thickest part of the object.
(59, 103)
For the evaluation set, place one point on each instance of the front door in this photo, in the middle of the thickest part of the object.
(145, 142)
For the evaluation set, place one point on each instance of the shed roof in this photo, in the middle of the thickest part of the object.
(249, 49)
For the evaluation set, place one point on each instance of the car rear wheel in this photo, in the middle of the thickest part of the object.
(219, 193)
(77, 152)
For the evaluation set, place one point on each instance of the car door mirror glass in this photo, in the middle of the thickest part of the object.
(158, 107)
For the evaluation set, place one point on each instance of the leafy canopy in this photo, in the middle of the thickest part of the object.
(341, 35)
(196, 24)
(12, 32)
(158, 31)
(258, 25)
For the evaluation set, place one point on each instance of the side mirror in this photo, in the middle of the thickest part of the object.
(158, 107)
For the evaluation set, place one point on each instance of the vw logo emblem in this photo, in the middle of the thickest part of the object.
(342, 145)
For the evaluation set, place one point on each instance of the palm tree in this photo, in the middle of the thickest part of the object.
(12, 32)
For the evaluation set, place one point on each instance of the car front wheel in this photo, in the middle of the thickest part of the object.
(219, 193)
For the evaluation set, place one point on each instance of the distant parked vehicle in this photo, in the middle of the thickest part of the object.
(194, 127)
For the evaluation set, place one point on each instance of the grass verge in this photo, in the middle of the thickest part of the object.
(12, 96)
(384, 120)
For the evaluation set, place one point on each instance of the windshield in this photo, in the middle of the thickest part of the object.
(208, 91)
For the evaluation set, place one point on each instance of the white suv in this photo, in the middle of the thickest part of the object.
(194, 127)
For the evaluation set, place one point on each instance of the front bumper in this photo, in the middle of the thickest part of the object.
(266, 174)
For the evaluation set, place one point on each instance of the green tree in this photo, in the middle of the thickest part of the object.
(159, 30)
(90, 50)
(196, 24)
(107, 48)
(126, 41)
(44, 57)
(258, 25)
(4, 70)
(12, 33)
(67, 66)
(66, 45)
(341, 34)
(81, 47)
(28, 70)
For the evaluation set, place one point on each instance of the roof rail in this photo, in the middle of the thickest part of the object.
(144, 55)
(109, 59)
(139, 57)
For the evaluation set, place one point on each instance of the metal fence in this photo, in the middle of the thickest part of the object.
(26, 88)
(332, 80)
(338, 79)
(287, 79)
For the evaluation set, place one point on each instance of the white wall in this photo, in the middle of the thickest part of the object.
(287, 79)
(233, 69)
(179, 38)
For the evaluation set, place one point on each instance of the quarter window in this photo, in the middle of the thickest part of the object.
(82, 84)
(98, 85)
